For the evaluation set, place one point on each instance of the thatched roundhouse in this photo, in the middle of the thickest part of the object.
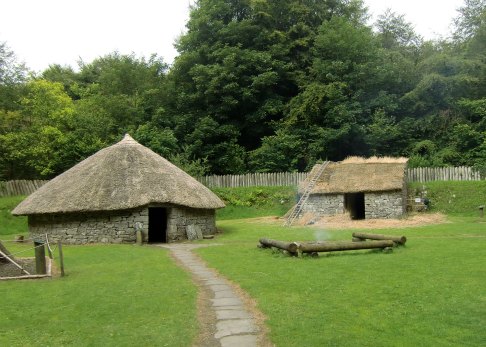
(365, 188)
(117, 191)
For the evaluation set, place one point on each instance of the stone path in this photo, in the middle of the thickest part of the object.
(235, 326)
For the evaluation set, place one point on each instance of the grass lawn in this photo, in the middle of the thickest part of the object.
(428, 293)
(113, 295)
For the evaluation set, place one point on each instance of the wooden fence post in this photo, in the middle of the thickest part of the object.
(40, 258)
(61, 257)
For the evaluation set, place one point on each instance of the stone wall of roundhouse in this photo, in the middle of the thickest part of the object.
(119, 226)
(180, 218)
(94, 227)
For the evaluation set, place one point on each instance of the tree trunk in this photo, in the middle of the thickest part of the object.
(341, 246)
(288, 246)
(397, 239)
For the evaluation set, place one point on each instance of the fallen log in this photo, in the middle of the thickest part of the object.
(290, 247)
(341, 246)
(363, 236)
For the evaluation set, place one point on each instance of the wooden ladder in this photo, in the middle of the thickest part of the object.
(300, 205)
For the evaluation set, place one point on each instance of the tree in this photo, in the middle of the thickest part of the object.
(11, 71)
(395, 32)
(242, 61)
(472, 16)
(12, 76)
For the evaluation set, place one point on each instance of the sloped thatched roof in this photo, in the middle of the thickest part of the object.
(355, 175)
(123, 176)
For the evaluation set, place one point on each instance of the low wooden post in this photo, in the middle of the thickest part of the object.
(61, 258)
(481, 211)
(40, 258)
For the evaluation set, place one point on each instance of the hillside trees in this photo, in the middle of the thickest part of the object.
(240, 63)
(260, 85)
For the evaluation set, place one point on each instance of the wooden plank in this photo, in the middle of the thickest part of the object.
(61, 257)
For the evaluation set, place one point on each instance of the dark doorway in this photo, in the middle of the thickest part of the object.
(354, 204)
(157, 228)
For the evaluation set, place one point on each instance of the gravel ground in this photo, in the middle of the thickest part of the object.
(10, 270)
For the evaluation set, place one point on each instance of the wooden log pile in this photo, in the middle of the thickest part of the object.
(360, 241)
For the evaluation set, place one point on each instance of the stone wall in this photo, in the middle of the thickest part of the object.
(325, 204)
(377, 205)
(384, 205)
(104, 227)
(180, 218)
(119, 226)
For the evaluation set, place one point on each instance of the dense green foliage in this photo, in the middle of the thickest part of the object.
(261, 85)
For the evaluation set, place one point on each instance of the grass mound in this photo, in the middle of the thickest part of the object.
(249, 202)
(10, 224)
(453, 197)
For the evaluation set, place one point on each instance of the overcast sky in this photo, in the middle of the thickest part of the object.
(43, 32)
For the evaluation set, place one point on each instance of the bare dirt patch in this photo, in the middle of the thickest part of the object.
(343, 221)
(10, 270)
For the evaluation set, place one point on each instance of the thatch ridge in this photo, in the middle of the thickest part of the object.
(123, 176)
(355, 175)
(374, 160)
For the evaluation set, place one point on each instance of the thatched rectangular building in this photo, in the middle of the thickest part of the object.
(365, 188)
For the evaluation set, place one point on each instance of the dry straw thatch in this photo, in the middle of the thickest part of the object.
(355, 174)
(123, 176)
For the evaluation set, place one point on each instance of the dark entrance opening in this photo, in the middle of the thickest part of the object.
(354, 204)
(157, 228)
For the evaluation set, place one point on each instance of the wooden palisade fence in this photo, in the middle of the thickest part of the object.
(427, 174)
(254, 179)
(20, 187)
(424, 174)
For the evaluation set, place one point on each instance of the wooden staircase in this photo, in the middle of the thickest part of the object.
(300, 205)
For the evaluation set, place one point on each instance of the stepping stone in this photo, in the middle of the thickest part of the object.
(219, 287)
(224, 294)
(215, 282)
(232, 314)
(239, 341)
(226, 302)
(234, 327)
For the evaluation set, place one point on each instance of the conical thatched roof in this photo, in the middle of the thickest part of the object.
(355, 175)
(123, 176)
